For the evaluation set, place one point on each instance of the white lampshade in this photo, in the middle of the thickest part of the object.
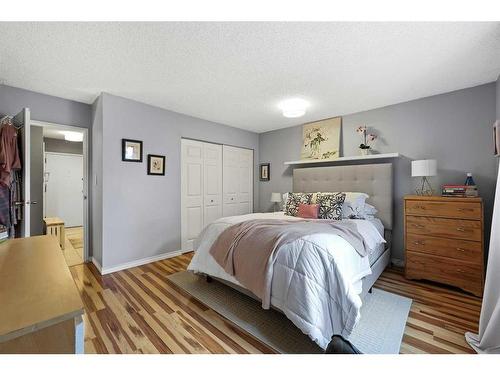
(276, 197)
(423, 168)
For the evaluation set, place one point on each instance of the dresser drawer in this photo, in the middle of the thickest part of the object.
(465, 275)
(459, 210)
(458, 249)
(449, 228)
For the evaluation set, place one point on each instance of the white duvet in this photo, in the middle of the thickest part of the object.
(317, 279)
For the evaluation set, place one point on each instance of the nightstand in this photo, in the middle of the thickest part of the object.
(444, 241)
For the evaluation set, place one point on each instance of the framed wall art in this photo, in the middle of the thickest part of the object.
(131, 150)
(156, 165)
(321, 139)
(265, 172)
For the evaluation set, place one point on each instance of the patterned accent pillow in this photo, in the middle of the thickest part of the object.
(294, 199)
(330, 205)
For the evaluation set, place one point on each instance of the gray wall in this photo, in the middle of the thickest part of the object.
(36, 180)
(60, 145)
(498, 98)
(44, 107)
(141, 213)
(453, 128)
(95, 185)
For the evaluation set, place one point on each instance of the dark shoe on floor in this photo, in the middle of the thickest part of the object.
(339, 345)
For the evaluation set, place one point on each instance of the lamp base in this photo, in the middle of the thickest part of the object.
(425, 188)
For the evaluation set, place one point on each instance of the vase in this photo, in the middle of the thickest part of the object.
(364, 151)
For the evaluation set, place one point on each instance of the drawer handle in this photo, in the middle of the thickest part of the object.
(460, 270)
(211, 201)
(460, 249)
(419, 242)
(418, 226)
(462, 229)
(465, 209)
(420, 207)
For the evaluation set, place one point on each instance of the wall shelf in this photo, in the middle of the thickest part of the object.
(345, 158)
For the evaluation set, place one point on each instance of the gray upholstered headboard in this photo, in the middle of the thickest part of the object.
(372, 179)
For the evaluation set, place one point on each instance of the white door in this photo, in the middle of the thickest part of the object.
(237, 181)
(230, 160)
(23, 121)
(191, 192)
(64, 187)
(212, 187)
(245, 192)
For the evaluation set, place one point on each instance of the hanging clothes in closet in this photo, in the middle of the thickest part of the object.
(10, 167)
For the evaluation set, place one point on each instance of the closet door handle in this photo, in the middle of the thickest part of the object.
(33, 202)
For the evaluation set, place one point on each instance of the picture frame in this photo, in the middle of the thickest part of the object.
(131, 150)
(496, 138)
(321, 139)
(265, 171)
(156, 165)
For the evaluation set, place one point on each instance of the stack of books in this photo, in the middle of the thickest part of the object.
(462, 191)
(4, 233)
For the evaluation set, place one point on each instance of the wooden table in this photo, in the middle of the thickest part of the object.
(40, 307)
(54, 226)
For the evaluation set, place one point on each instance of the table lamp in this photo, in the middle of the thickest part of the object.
(424, 169)
(276, 199)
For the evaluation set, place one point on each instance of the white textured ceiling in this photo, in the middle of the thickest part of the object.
(236, 73)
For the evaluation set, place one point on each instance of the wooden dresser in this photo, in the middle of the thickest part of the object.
(40, 308)
(444, 241)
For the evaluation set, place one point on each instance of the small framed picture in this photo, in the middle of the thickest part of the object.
(131, 150)
(265, 172)
(496, 137)
(156, 165)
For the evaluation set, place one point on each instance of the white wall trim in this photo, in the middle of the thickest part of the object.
(97, 264)
(138, 262)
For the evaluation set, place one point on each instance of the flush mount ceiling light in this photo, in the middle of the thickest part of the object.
(293, 107)
(73, 136)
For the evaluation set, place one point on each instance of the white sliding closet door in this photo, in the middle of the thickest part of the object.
(191, 192)
(201, 188)
(212, 182)
(237, 181)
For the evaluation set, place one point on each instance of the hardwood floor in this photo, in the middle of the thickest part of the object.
(73, 246)
(140, 311)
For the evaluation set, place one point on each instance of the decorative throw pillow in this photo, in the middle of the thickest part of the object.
(308, 211)
(330, 205)
(294, 199)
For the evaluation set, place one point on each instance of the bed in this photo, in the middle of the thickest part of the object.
(321, 294)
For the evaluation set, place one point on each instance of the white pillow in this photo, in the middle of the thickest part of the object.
(354, 205)
(370, 210)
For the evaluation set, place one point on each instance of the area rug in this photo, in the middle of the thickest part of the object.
(380, 330)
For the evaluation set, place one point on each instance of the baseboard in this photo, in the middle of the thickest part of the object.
(398, 262)
(138, 262)
(97, 264)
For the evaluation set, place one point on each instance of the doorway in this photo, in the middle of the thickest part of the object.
(58, 187)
